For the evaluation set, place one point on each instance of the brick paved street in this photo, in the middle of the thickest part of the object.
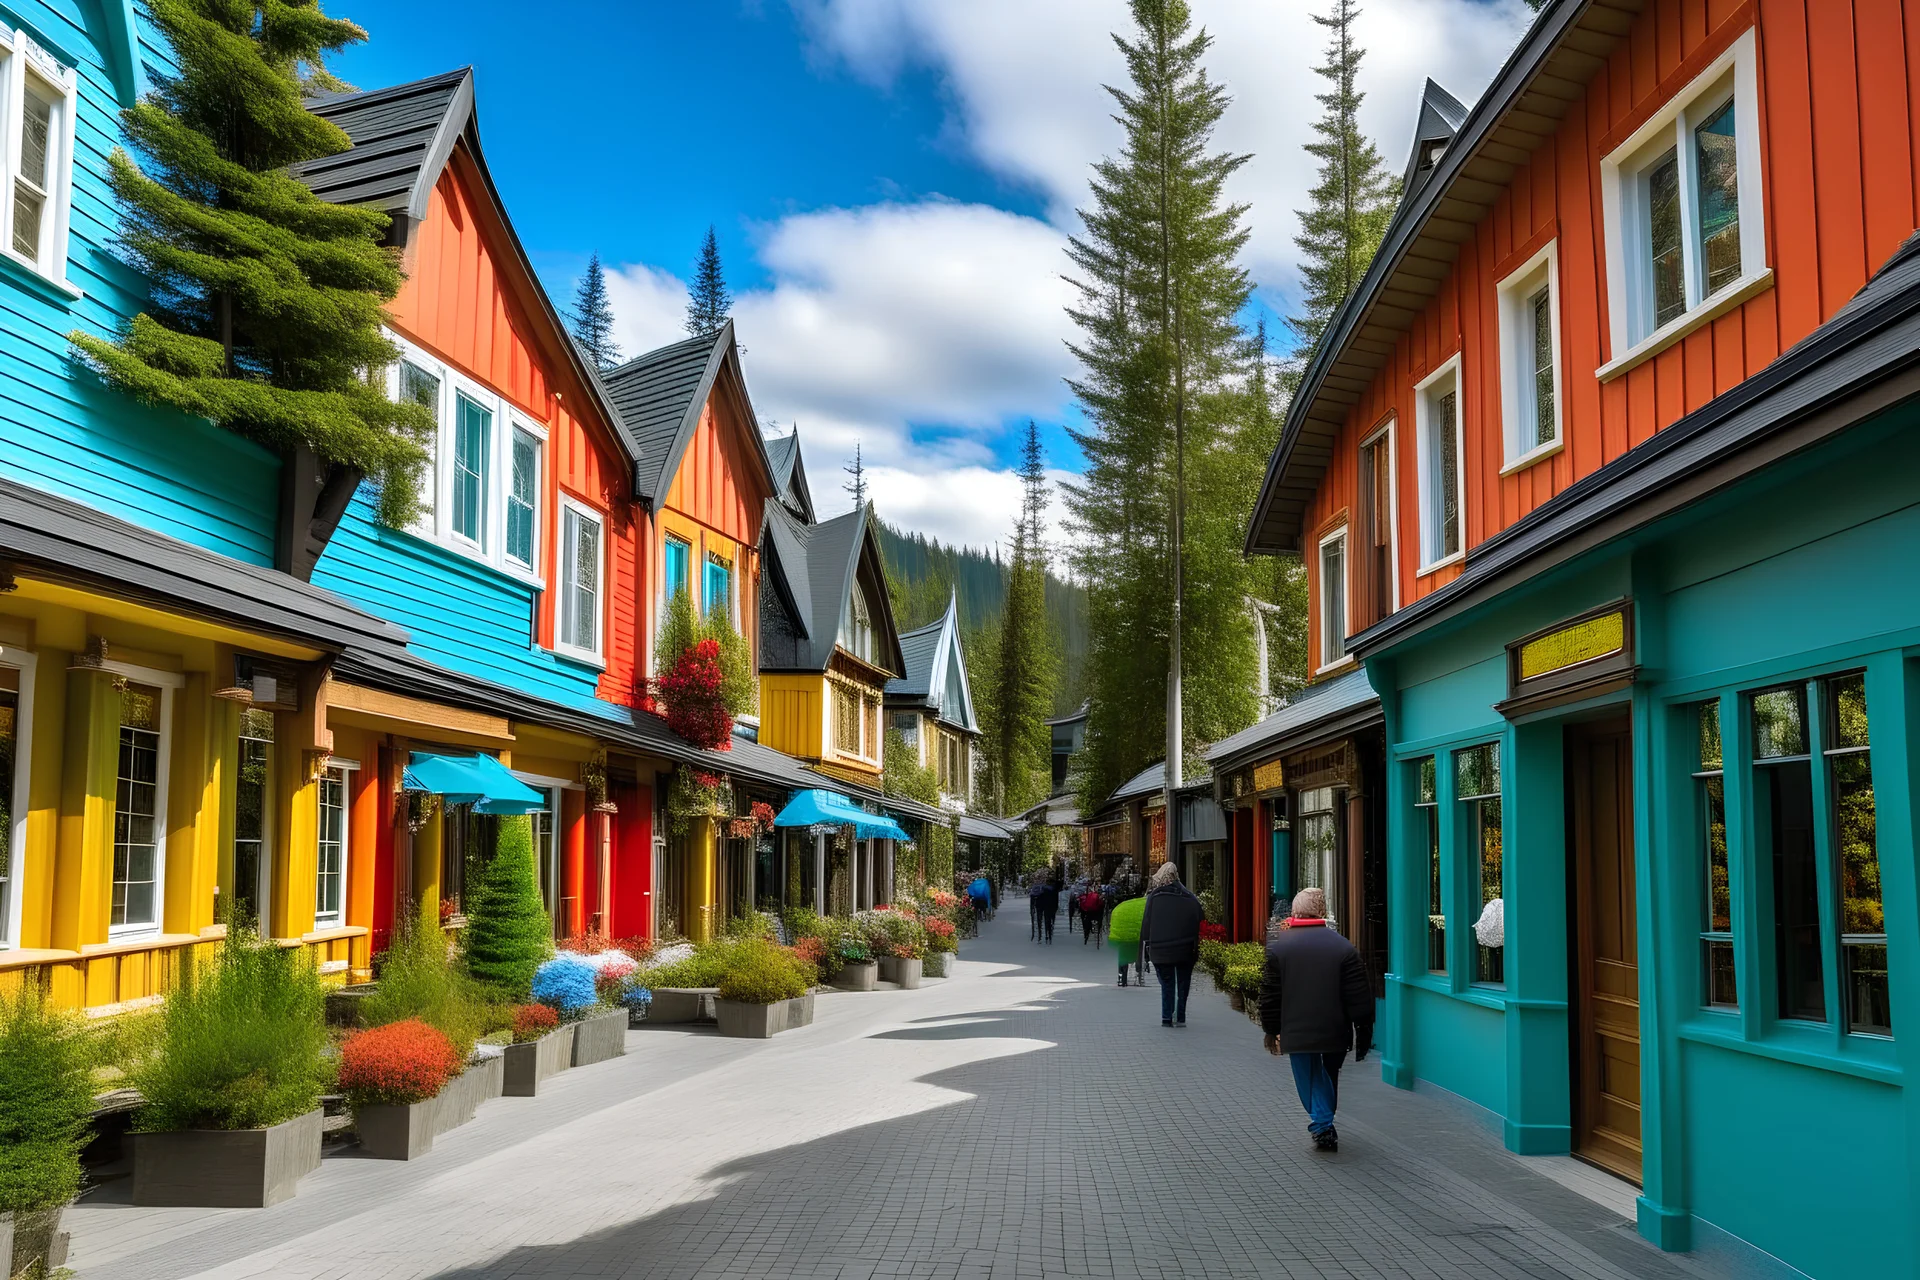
(1023, 1119)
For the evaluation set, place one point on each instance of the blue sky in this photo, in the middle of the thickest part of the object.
(892, 183)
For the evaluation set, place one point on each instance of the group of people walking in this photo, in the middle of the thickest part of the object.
(1087, 903)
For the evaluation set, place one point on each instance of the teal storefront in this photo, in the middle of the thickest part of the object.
(1671, 723)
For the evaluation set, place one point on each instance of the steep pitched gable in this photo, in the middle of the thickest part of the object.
(790, 474)
(936, 675)
(661, 396)
(814, 568)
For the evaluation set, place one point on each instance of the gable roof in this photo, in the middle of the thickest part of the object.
(927, 651)
(403, 136)
(1441, 115)
(815, 567)
(790, 474)
(659, 396)
(1319, 711)
(1542, 78)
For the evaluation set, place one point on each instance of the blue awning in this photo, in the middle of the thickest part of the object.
(816, 808)
(478, 780)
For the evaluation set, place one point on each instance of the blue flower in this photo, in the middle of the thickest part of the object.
(565, 983)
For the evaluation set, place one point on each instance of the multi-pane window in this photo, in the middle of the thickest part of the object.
(1716, 922)
(1477, 786)
(1540, 322)
(253, 784)
(1529, 364)
(523, 499)
(36, 94)
(1863, 925)
(1373, 585)
(136, 810)
(1428, 825)
(33, 180)
(1333, 599)
(417, 386)
(580, 591)
(1783, 772)
(856, 625)
(472, 454)
(717, 587)
(330, 889)
(1439, 409)
(1316, 864)
(9, 764)
(678, 560)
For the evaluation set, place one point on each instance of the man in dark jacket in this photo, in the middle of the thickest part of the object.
(1315, 1004)
(1170, 938)
(1049, 906)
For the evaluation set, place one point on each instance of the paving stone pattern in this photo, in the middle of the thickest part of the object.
(1023, 1119)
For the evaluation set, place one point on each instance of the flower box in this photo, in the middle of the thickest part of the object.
(602, 1036)
(33, 1237)
(760, 1021)
(225, 1168)
(903, 971)
(938, 965)
(861, 975)
(390, 1131)
(526, 1065)
(683, 1004)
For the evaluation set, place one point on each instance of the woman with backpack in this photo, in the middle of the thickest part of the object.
(1093, 910)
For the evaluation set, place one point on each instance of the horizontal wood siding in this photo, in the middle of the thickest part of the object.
(1840, 196)
(61, 429)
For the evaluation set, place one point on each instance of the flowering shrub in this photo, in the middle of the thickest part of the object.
(892, 933)
(942, 937)
(760, 973)
(531, 1021)
(637, 1000)
(944, 901)
(449, 908)
(1210, 932)
(811, 951)
(696, 793)
(598, 943)
(762, 815)
(612, 978)
(693, 689)
(566, 984)
(400, 1063)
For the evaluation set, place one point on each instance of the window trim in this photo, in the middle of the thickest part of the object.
(1346, 595)
(13, 843)
(563, 584)
(167, 682)
(1620, 207)
(1389, 429)
(1423, 432)
(263, 887)
(713, 559)
(335, 919)
(1513, 294)
(19, 49)
(518, 423)
(1470, 863)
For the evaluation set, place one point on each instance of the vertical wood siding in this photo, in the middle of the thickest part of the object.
(717, 499)
(1840, 147)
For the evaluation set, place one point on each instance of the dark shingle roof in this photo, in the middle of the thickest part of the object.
(918, 648)
(790, 474)
(401, 135)
(926, 651)
(1314, 708)
(1441, 115)
(659, 396)
(816, 565)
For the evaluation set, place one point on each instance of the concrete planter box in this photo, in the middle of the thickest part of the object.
(905, 973)
(860, 976)
(393, 1132)
(600, 1037)
(225, 1169)
(760, 1021)
(800, 1011)
(30, 1238)
(938, 964)
(683, 1004)
(526, 1065)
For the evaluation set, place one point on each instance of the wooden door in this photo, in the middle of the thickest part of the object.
(1606, 990)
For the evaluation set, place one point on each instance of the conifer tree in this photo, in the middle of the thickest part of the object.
(266, 301)
(1162, 365)
(1279, 583)
(857, 484)
(592, 317)
(508, 931)
(1022, 663)
(1352, 201)
(709, 304)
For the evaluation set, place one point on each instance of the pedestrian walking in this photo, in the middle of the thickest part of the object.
(1315, 1004)
(1073, 904)
(1049, 908)
(982, 895)
(1093, 911)
(1123, 930)
(1035, 892)
(1170, 938)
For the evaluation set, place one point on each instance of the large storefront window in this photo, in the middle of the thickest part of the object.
(1477, 783)
(1716, 937)
(1429, 828)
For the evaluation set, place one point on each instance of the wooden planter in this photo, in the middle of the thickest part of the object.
(33, 1237)
(904, 973)
(938, 964)
(683, 1004)
(760, 1021)
(863, 975)
(600, 1037)
(225, 1168)
(524, 1066)
(395, 1132)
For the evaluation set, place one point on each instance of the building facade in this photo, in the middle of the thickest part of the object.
(1590, 474)
(931, 706)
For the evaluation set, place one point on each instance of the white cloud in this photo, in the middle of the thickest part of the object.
(946, 315)
(1026, 81)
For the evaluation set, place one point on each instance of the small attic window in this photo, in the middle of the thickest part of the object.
(1431, 151)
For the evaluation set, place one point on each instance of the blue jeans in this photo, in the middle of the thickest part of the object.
(1175, 981)
(1317, 1077)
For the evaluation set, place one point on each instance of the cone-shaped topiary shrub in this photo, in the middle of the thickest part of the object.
(508, 934)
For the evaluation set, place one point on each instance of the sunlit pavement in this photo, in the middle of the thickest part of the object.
(1024, 1118)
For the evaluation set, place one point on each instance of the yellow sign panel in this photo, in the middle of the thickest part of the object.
(1269, 776)
(1582, 642)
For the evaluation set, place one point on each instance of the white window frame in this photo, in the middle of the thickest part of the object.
(436, 523)
(19, 52)
(1517, 395)
(1389, 430)
(1630, 305)
(167, 682)
(334, 920)
(1424, 393)
(13, 841)
(563, 584)
(1346, 596)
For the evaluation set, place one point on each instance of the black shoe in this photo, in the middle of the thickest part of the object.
(1328, 1141)
(1181, 1023)
(1123, 979)
(1166, 1022)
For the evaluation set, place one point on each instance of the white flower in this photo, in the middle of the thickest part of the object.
(1491, 927)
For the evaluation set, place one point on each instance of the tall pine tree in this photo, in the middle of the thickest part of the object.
(592, 317)
(267, 302)
(1022, 664)
(1353, 200)
(856, 485)
(1163, 367)
(709, 304)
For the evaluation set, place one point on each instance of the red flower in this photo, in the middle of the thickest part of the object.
(691, 688)
(1213, 932)
(399, 1063)
(531, 1021)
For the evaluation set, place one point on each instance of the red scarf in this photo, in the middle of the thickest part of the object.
(1301, 922)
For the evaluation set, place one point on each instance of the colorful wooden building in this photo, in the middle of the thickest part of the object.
(931, 706)
(1598, 473)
